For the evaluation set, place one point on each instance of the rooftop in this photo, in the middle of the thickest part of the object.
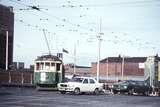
(47, 57)
(126, 59)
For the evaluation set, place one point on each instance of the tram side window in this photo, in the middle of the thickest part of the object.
(47, 65)
(37, 66)
(58, 67)
(52, 66)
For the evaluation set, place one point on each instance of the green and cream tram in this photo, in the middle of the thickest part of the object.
(48, 71)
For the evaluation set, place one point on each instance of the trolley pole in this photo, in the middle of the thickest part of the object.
(47, 41)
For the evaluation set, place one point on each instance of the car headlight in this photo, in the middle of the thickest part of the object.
(112, 86)
(70, 85)
(125, 86)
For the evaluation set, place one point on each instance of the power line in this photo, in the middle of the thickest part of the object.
(37, 8)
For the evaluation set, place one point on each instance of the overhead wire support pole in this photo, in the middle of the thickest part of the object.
(99, 52)
(75, 55)
(74, 70)
(46, 41)
(122, 76)
(107, 70)
(6, 50)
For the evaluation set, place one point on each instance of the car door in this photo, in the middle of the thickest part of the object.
(85, 85)
(92, 85)
(139, 87)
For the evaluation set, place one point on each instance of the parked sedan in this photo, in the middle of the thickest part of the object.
(80, 84)
(131, 87)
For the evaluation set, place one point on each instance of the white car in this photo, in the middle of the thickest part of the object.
(81, 84)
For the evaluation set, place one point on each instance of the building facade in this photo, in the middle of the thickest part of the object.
(79, 70)
(117, 68)
(6, 24)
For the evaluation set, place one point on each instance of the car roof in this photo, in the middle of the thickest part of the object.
(85, 77)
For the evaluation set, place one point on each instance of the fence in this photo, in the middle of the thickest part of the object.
(19, 78)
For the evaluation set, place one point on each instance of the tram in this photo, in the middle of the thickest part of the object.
(48, 72)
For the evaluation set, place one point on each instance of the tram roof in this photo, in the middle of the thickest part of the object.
(47, 57)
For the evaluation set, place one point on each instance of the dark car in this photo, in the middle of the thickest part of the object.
(131, 87)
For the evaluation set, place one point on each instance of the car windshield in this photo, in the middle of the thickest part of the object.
(123, 82)
(77, 80)
(127, 82)
(141, 83)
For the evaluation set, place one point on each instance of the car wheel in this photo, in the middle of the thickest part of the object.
(77, 91)
(146, 93)
(96, 91)
(115, 92)
(131, 91)
(62, 92)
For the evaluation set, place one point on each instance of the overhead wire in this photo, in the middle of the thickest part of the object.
(66, 21)
(33, 7)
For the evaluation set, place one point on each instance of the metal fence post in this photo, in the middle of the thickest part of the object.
(31, 79)
(22, 78)
(10, 79)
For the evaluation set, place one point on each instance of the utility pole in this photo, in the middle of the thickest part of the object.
(6, 31)
(107, 69)
(99, 51)
(74, 70)
(75, 52)
(6, 50)
(122, 67)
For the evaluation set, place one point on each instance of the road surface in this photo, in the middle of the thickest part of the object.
(29, 97)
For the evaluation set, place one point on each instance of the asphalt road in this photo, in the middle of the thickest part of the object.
(25, 97)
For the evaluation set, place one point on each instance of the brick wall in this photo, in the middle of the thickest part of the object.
(80, 70)
(115, 68)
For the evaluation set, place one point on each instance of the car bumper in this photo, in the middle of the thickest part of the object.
(67, 89)
(120, 90)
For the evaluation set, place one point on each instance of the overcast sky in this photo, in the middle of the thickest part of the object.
(130, 27)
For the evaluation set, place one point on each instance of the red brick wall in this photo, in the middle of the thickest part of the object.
(79, 70)
(114, 68)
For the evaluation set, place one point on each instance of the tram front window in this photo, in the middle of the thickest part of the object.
(37, 66)
(42, 66)
(52, 66)
(47, 65)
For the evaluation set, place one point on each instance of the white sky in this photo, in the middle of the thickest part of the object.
(130, 27)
